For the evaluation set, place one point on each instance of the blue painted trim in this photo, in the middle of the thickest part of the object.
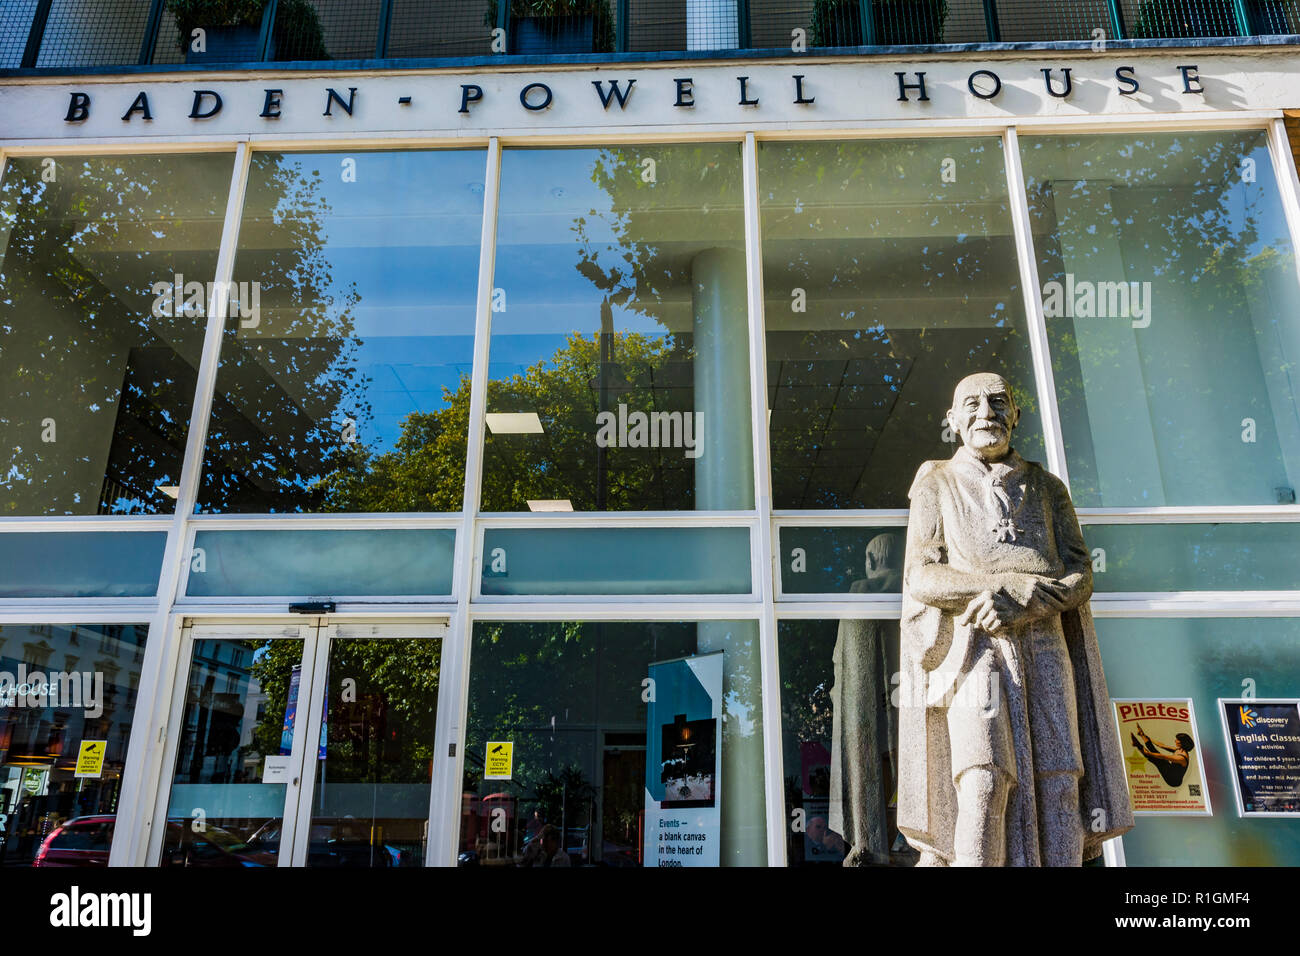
(606, 59)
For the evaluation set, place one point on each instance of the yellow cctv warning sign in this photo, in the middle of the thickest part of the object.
(90, 758)
(500, 760)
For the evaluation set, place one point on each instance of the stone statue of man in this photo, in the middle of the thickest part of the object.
(1006, 751)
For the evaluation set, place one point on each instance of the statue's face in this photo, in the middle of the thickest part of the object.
(984, 413)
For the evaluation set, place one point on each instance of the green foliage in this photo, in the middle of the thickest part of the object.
(379, 731)
(214, 13)
(298, 32)
(424, 472)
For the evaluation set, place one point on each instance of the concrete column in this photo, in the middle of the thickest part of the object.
(1110, 362)
(724, 480)
(712, 25)
(724, 471)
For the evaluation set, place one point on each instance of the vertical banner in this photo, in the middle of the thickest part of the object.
(1264, 747)
(683, 773)
(1162, 757)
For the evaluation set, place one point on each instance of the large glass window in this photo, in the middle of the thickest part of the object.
(1171, 301)
(839, 736)
(1204, 659)
(889, 272)
(67, 699)
(619, 361)
(344, 377)
(98, 366)
(614, 744)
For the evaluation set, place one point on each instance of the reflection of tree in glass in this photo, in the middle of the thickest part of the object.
(80, 257)
(286, 387)
(423, 471)
(695, 202)
(382, 733)
(1179, 209)
(909, 282)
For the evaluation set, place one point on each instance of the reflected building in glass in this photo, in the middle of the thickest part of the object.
(501, 457)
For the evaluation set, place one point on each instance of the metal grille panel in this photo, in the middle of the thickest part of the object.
(93, 33)
(326, 29)
(656, 25)
(1179, 18)
(15, 24)
(1025, 20)
(426, 28)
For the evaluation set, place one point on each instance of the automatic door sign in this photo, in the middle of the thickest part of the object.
(90, 758)
(500, 760)
(1264, 744)
(1162, 756)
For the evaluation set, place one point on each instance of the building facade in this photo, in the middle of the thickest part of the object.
(493, 447)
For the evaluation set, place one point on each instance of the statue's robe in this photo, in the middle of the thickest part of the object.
(1028, 700)
(861, 736)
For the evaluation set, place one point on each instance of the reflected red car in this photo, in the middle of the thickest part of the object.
(82, 841)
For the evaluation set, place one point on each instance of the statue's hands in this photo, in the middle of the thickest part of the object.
(991, 611)
(1036, 596)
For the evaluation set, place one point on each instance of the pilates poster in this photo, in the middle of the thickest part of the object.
(1162, 757)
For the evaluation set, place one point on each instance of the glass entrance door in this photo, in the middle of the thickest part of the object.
(372, 760)
(302, 744)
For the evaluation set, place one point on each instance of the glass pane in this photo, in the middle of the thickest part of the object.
(375, 762)
(1205, 659)
(616, 561)
(232, 762)
(66, 692)
(889, 274)
(1194, 557)
(619, 365)
(361, 563)
(98, 369)
(344, 376)
(1173, 314)
(841, 560)
(81, 563)
(839, 737)
(571, 701)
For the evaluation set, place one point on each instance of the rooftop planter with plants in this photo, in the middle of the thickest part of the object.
(233, 30)
(556, 26)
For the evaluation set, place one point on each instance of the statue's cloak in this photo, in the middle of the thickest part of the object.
(927, 797)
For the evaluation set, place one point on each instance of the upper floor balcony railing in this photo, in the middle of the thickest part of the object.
(61, 35)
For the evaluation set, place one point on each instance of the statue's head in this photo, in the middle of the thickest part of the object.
(984, 413)
(884, 561)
